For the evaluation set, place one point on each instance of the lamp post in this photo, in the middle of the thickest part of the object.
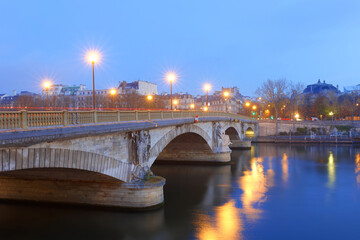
(207, 88)
(254, 108)
(175, 103)
(47, 86)
(93, 57)
(171, 77)
(149, 98)
(113, 93)
(226, 95)
(192, 106)
(332, 116)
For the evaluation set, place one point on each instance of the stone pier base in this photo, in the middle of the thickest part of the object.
(80, 187)
(194, 157)
(239, 144)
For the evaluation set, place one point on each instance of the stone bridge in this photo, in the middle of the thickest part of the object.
(124, 151)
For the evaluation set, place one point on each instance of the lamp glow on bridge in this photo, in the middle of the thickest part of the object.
(149, 98)
(254, 107)
(93, 56)
(171, 77)
(247, 104)
(47, 84)
(192, 106)
(112, 94)
(206, 108)
(226, 95)
(207, 88)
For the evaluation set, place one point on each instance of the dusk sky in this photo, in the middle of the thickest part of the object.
(224, 43)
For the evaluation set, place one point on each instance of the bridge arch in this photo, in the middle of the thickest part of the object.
(250, 133)
(233, 134)
(186, 132)
(41, 158)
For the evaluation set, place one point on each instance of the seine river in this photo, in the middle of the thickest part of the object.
(268, 192)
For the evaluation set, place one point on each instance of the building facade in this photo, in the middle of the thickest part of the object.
(139, 87)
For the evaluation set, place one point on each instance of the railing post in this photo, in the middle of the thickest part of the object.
(149, 116)
(65, 118)
(95, 117)
(162, 115)
(24, 120)
(172, 114)
(118, 116)
(136, 116)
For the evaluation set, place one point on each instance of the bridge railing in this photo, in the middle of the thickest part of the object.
(39, 119)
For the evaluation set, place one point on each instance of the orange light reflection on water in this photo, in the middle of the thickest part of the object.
(227, 222)
(357, 168)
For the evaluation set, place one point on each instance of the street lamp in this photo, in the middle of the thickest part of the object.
(226, 95)
(171, 78)
(47, 85)
(113, 93)
(92, 58)
(207, 88)
(192, 106)
(175, 102)
(247, 104)
(206, 109)
(149, 98)
(332, 116)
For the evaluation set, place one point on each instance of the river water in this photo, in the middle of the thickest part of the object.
(268, 192)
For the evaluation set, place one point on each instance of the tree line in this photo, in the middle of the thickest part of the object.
(281, 98)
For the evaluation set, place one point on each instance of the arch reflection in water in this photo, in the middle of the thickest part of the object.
(228, 219)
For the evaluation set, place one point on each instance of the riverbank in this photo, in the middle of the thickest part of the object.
(322, 139)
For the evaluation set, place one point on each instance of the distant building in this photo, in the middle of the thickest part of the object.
(62, 90)
(140, 87)
(233, 92)
(12, 100)
(351, 89)
(84, 97)
(320, 88)
(219, 103)
(71, 91)
(184, 101)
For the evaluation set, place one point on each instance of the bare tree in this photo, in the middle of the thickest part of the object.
(274, 93)
(296, 97)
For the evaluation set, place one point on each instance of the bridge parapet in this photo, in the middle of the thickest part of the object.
(40, 119)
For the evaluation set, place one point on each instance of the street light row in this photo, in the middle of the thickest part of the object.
(94, 57)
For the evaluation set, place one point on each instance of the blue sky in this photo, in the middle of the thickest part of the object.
(225, 43)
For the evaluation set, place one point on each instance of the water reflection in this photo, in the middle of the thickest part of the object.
(357, 168)
(285, 167)
(254, 184)
(227, 221)
(331, 170)
(268, 192)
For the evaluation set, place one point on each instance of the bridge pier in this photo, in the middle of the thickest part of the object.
(240, 144)
(85, 188)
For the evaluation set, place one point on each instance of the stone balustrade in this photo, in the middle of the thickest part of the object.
(38, 119)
